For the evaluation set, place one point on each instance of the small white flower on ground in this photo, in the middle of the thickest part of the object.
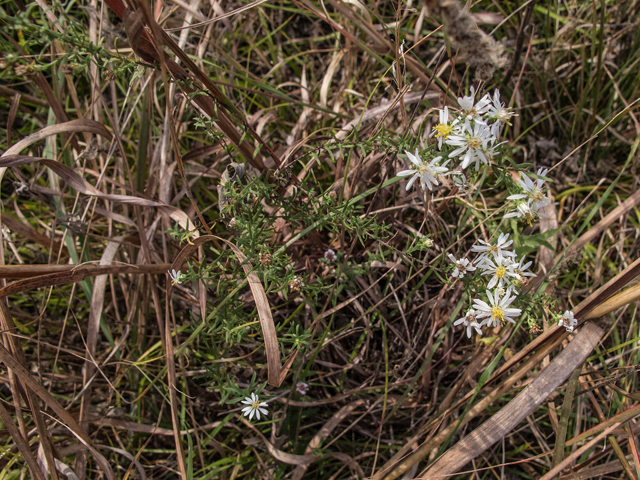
(175, 276)
(568, 321)
(254, 407)
(471, 143)
(330, 256)
(462, 266)
(302, 388)
(444, 128)
(473, 110)
(532, 191)
(469, 321)
(428, 242)
(487, 249)
(427, 172)
(497, 311)
(502, 269)
(296, 284)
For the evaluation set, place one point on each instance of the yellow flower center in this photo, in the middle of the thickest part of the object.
(255, 405)
(443, 130)
(498, 314)
(500, 271)
(536, 195)
(474, 142)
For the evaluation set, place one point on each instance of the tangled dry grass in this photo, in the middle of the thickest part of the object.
(238, 143)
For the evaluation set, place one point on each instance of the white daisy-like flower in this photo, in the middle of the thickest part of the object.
(521, 267)
(254, 407)
(487, 249)
(497, 311)
(532, 191)
(528, 210)
(492, 152)
(473, 110)
(498, 112)
(471, 143)
(462, 266)
(469, 321)
(175, 276)
(568, 321)
(502, 269)
(427, 172)
(444, 128)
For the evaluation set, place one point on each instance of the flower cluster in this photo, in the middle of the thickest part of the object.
(471, 135)
(498, 262)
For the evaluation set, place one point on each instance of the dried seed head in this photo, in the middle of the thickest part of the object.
(265, 259)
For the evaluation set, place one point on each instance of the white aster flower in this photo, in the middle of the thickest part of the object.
(254, 407)
(502, 269)
(487, 249)
(469, 321)
(498, 112)
(528, 210)
(471, 143)
(521, 267)
(491, 152)
(427, 172)
(532, 191)
(473, 110)
(498, 312)
(444, 128)
(568, 321)
(462, 266)
(175, 276)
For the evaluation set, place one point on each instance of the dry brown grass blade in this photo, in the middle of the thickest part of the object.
(76, 181)
(83, 125)
(591, 234)
(277, 371)
(21, 443)
(581, 311)
(623, 298)
(324, 432)
(284, 457)
(66, 274)
(13, 110)
(93, 327)
(520, 407)
(18, 390)
(400, 463)
(146, 50)
(575, 455)
(64, 416)
(29, 232)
